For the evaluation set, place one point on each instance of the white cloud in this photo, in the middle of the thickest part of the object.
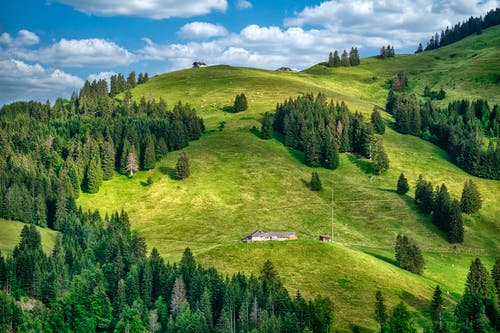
(24, 38)
(243, 4)
(101, 76)
(93, 52)
(153, 9)
(200, 30)
(21, 81)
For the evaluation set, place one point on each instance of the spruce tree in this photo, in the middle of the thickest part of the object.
(329, 154)
(330, 60)
(377, 121)
(441, 209)
(402, 320)
(436, 309)
(240, 103)
(107, 160)
(408, 255)
(471, 199)
(495, 276)
(345, 59)
(336, 59)
(315, 183)
(267, 126)
(380, 158)
(455, 223)
(182, 167)
(149, 153)
(312, 151)
(424, 195)
(380, 310)
(94, 175)
(403, 186)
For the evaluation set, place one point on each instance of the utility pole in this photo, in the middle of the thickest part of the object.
(332, 217)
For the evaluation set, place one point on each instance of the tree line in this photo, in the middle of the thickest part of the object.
(460, 129)
(99, 278)
(346, 59)
(50, 153)
(474, 25)
(322, 129)
(119, 84)
(477, 311)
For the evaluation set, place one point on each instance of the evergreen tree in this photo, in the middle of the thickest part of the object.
(403, 186)
(178, 295)
(401, 320)
(94, 175)
(455, 223)
(436, 310)
(441, 209)
(380, 310)
(408, 254)
(377, 121)
(336, 59)
(420, 48)
(330, 60)
(424, 195)
(329, 155)
(315, 183)
(344, 60)
(380, 158)
(312, 151)
(107, 160)
(267, 126)
(471, 199)
(240, 103)
(182, 167)
(131, 80)
(132, 165)
(149, 153)
(495, 276)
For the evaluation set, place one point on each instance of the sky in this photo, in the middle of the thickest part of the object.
(48, 48)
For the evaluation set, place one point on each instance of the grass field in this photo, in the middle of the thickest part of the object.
(11, 230)
(240, 183)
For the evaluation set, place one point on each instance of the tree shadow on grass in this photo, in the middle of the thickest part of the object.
(306, 183)
(228, 108)
(414, 301)
(363, 164)
(169, 172)
(383, 258)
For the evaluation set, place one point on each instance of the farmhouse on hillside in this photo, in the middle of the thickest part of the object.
(264, 236)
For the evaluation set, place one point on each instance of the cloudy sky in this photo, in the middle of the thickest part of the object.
(49, 48)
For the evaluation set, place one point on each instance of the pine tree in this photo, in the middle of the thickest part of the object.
(315, 183)
(495, 276)
(441, 209)
(330, 154)
(420, 48)
(178, 294)
(403, 186)
(94, 176)
(455, 223)
(182, 167)
(436, 309)
(380, 158)
(377, 121)
(240, 103)
(471, 199)
(402, 320)
(132, 165)
(336, 59)
(149, 153)
(380, 310)
(131, 82)
(312, 151)
(424, 195)
(107, 160)
(330, 60)
(408, 254)
(267, 126)
(345, 59)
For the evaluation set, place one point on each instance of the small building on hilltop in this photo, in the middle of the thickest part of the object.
(264, 236)
(199, 64)
(325, 238)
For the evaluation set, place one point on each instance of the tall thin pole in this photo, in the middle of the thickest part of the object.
(332, 216)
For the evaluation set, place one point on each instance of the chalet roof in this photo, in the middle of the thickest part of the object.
(281, 234)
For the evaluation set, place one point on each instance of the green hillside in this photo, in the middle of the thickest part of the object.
(240, 183)
(11, 231)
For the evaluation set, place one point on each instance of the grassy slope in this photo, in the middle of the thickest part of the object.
(240, 183)
(11, 230)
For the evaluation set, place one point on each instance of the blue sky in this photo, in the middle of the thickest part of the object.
(49, 48)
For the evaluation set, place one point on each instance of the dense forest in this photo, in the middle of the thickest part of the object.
(463, 129)
(474, 25)
(99, 278)
(322, 129)
(50, 152)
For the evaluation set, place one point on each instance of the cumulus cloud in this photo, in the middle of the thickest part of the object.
(153, 9)
(22, 81)
(24, 38)
(200, 30)
(402, 23)
(93, 52)
(243, 4)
